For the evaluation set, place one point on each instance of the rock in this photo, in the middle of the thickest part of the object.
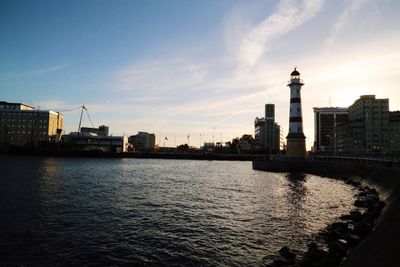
(307, 262)
(346, 217)
(313, 254)
(286, 253)
(351, 182)
(363, 228)
(362, 203)
(279, 263)
(340, 227)
(356, 216)
(337, 248)
(352, 240)
(330, 260)
(373, 212)
(331, 235)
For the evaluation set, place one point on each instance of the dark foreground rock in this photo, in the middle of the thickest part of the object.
(339, 238)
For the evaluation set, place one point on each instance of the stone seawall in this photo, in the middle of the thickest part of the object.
(382, 246)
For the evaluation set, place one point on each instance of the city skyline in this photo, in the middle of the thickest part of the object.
(177, 68)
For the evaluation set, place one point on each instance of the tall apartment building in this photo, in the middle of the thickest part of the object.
(394, 128)
(269, 126)
(259, 133)
(276, 145)
(23, 125)
(367, 130)
(326, 121)
(266, 131)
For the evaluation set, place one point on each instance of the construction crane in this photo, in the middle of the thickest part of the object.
(80, 119)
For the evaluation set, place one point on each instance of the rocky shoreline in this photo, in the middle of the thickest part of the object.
(336, 242)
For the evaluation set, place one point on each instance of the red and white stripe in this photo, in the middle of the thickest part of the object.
(295, 119)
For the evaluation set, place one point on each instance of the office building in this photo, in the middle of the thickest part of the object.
(101, 131)
(23, 125)
(259, 133)
(269, 126)
(367, 129)
(373, 116)
(326, 120)
(85, 141)
(142, 141)
(394, 129)
(276, 145)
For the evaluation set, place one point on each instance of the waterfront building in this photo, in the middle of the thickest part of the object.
(269, 126)
(296, 145)
(394, 126)
(85, 141)
(101, 131)
(326, 120)
(23, 125)
(208, 146)
(276, 145)
(367, 129)
(142, 141)
(267, 131)
(259, 133)
(372, 116)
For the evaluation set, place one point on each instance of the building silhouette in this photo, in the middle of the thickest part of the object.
(267, 131)
(142, 141)
(326, 120)
(259, 133)
(100, 131)
(394, 129)
(367, 128)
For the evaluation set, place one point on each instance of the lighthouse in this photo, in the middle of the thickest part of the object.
(296, 140)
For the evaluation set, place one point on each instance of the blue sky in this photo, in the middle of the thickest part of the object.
(204, 68)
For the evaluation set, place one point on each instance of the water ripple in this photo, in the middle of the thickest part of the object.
(145, 212)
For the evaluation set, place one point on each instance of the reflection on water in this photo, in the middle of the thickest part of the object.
(157, 212)
(297, 188)
(49, 180)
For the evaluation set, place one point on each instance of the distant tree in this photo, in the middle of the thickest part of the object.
(184, 147)
(218, 147)
(234, 145)
(247, 138)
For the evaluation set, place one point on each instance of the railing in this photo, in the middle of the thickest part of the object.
(361, 159)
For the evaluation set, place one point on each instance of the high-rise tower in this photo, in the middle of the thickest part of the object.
(296, 143)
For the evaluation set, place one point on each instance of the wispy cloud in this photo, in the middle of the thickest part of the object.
(348, 11)
(159, 76)
(8, 76)
(289, 15)
(52, 105)
(47, 70)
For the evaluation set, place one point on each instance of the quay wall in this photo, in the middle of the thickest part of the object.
(382, 246)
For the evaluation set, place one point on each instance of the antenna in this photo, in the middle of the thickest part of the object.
(330, 104)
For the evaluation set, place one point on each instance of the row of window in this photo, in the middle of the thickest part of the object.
(24, 132)
(23, 114)
(23, 120)
(27, 140)
(40, 126)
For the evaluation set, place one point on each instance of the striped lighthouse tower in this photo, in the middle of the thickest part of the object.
(296, 143)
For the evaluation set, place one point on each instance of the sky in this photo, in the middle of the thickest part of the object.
(198, 68)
